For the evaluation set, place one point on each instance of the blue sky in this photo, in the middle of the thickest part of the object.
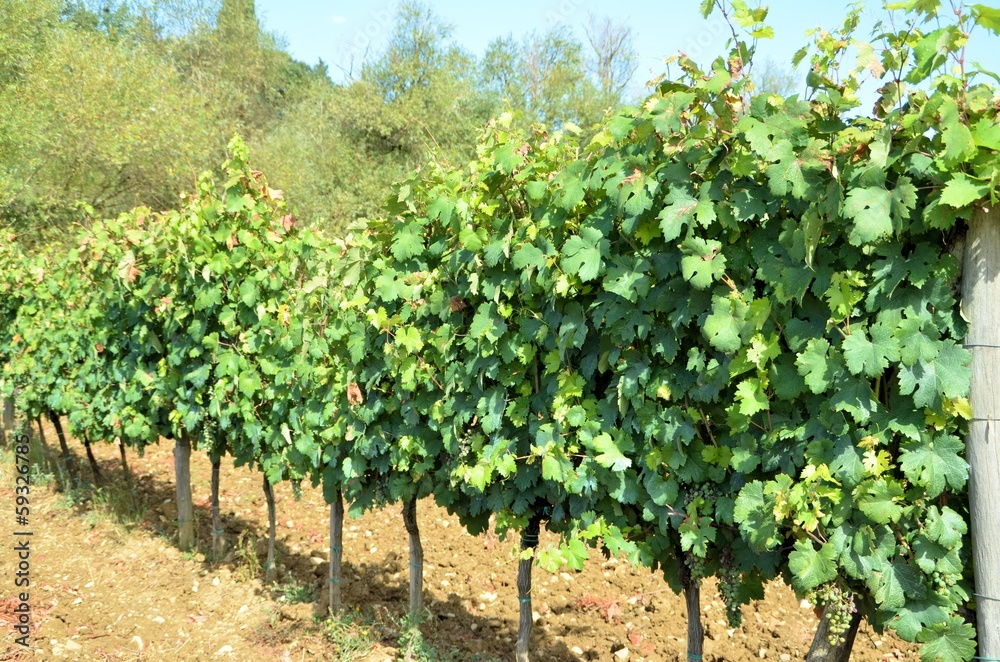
(342, 32)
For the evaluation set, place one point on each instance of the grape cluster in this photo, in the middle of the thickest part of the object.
(207, 432)
(696, 565)
(943, 581)
(729, 583)
(702, 495)
(839, 609)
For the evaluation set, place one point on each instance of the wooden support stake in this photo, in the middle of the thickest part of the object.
(218, 533)
(336, 549)
(185, 506)
(981, 307)
(416, 559)
(529, 540)
(270, 571)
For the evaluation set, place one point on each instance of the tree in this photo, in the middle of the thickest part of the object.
(771, 77)
(107, 123)
(543, 77)
(338, 149)
(613, 58)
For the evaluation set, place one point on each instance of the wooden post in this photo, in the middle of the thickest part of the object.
(218, 533)
(185, 507)
(416, 559)
(981, 307)
(529, 541)
(270, 571)
(336, 549)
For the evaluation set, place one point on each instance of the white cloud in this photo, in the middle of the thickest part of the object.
(338, 20)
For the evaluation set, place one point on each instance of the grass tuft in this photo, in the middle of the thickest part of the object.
(248, 565)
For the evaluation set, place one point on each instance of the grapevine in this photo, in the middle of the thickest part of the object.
(719, 338)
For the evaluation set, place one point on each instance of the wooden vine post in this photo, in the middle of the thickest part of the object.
(185, 507)
(529, 541)
(270, 570)
(416, 559)
(981, 307)
(336, 550)
(218, 532)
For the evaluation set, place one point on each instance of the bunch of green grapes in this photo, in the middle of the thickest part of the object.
(943, 582)
(840, 608)
(208, 432)
(729, 583)
(702, 497)
(696, 565)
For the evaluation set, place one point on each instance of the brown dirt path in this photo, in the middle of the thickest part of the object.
(101, 591)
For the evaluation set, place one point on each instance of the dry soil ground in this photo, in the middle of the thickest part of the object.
(108, 583)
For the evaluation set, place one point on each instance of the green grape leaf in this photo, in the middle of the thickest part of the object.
(528, 256)
(754, 514)
(487, 323)
(910, 620)
(935, 464)
(609, 455)
(491, 408)
(661, 492)
(953, 640)
(409, 338)
(870, 209)
(678, 212)
(855, 396)
(877, 499)
(914, 344)
(895, 582)
(961, 191)
(811, 567)
(408, 243)
(986, 16)
(945, 526)
(751, 397)
(722, 328)
(470, 240)
(948, 376)
(582, 254)
(816, 368)
(870, 356)
(702, 263)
